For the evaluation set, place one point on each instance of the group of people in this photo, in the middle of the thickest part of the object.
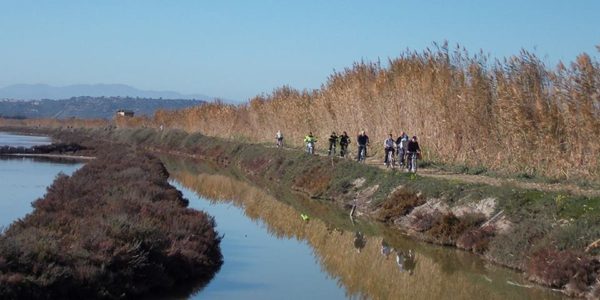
(406, 149)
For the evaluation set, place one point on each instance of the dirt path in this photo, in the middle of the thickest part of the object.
(494, 181)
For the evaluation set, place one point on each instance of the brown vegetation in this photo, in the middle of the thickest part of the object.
(560, 269)
(400, 203)
(515, 114)
(476, 239)
(447, 228)
(314, 182)
(114, 229)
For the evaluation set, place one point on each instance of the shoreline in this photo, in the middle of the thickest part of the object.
(506, 225)
(58, 156)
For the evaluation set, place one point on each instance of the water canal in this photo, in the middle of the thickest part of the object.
(270, 252)
(24, 179)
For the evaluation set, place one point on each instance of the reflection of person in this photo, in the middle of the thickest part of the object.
(359, 241)
(406, 261)
(385, 249)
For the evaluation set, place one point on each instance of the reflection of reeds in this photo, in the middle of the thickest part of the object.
(367, 274)
(516, 114)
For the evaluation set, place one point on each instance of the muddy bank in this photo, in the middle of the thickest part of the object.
(114, 229)
(509, 225)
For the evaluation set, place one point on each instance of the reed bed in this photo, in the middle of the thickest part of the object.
(515, 114)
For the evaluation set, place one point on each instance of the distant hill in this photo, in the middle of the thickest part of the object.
(44, 91)
(88, 107)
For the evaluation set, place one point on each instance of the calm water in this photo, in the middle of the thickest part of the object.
(23, 180)
(17, 140)
(270, 252)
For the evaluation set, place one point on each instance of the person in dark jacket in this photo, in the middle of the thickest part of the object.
(363, 141)
(344, 142)
(413, 150)
(333, 138)
(401, 147)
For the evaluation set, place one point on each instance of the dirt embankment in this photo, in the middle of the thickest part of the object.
(114, 229)
(507, 224)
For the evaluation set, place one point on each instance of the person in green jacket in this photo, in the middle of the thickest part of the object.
(310, 141)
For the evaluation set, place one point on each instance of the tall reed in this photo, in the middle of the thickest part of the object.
(514, 114)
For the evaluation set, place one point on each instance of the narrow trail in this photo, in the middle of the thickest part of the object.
(494, 181)
(466, 178)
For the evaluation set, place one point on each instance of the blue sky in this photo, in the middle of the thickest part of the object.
(239, 49)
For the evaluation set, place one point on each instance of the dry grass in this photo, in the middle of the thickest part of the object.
(515, 115)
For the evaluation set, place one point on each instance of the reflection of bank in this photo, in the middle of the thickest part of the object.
(353, 251)
(359, 241)
(386, 250)
(406, 260)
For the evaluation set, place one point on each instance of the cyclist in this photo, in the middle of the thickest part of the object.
(279, 138)
(388, 145)
(363, 141)
(310, 141)
(344, 141)
(333, 138)
(413, 153)
(401, 144)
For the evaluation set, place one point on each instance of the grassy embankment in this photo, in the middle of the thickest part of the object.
(544, 234)
(438, 273)
(114, 229)
(511, 116)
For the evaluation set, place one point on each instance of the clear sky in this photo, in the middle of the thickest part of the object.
(239, 49)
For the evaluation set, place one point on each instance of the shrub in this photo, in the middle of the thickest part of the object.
(559, 268)
(115, 228)
(476, 239)
(400, 203)
(449, 227)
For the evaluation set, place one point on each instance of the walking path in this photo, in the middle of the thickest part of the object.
(494, 181)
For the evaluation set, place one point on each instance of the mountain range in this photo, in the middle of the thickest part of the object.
(44, 91)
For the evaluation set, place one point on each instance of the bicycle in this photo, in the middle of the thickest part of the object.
(411, 164)
(279, 143)
(331, 150)
(401, 156)
(391, 160)
(362, 149)
(343, 150)
(310, 148)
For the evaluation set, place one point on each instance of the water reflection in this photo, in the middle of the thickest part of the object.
(358, 256)
(359, 241)
(406, 260)
(23, 180)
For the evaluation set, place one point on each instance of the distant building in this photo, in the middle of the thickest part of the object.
(124, 113)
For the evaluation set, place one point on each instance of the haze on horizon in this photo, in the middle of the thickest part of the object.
(240, 49)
